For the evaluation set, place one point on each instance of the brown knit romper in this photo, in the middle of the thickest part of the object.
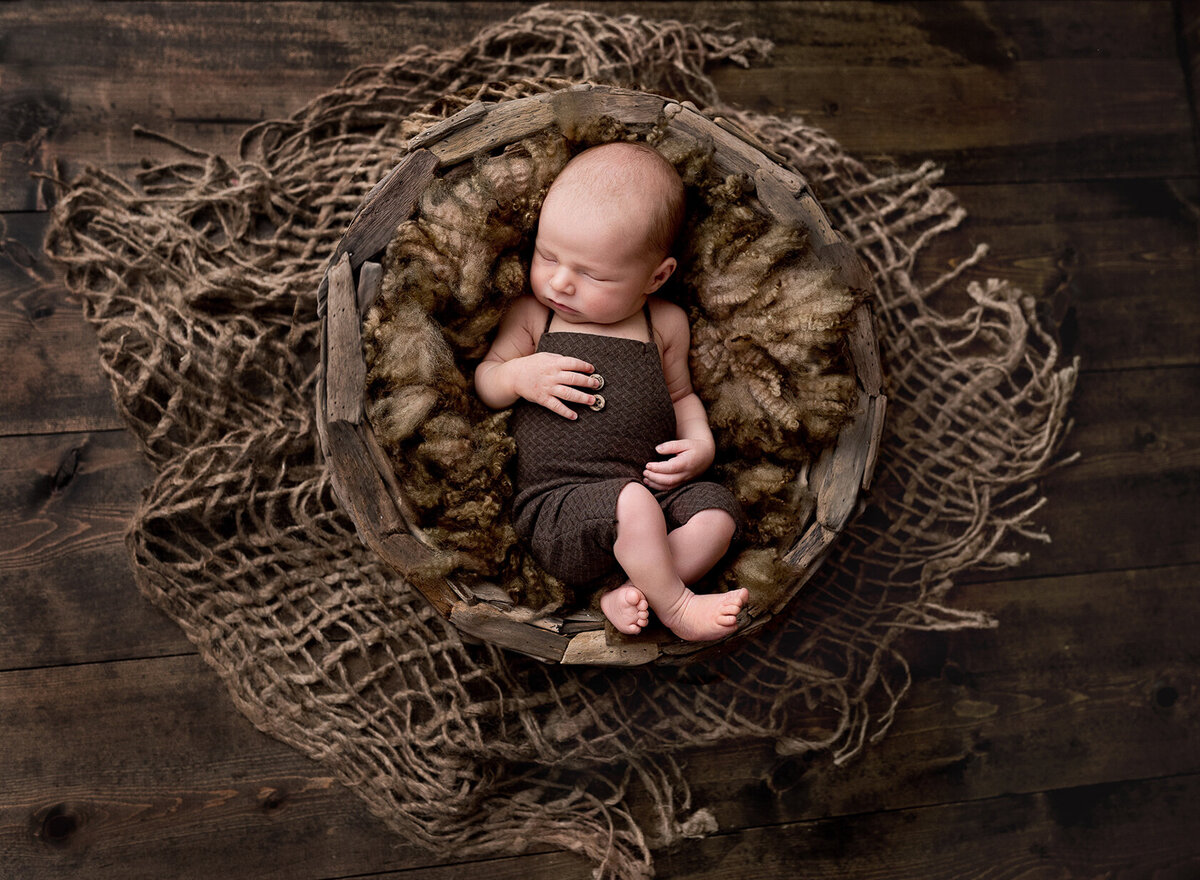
(570, 472)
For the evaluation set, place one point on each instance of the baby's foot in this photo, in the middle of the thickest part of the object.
(626, 608)
(704, 617)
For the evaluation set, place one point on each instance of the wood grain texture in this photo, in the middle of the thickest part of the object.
(1062, 743)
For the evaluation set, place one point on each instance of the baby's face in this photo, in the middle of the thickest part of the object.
(590, 267)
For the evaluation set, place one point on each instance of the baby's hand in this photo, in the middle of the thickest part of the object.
(689, 459)
(548, 379)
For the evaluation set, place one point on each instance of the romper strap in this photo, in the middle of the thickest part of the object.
(549, 320)
(649, 323)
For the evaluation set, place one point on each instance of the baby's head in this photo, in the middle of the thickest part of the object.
(628, 183)
(606, 231)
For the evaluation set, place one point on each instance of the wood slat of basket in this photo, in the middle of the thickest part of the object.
(390, 202)
(498, 125)
(594, 648)
(345, 368)
(850, 268)
(878, 417)
(364, 494)
(483, 621)
(737, 131)
(357, 481)
(837, 494)
(786, 196)
(806, 555)
(370, 280)
(464, 118)
(387, 472)
(864, 347)
(733, 154)
(577, 107)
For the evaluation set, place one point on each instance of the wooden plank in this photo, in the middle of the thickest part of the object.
(1089, 677)
(864, 346)
(153, 773)
(345, 366)
(363, 491)
(358, 484)
(1011, 84)
(1074, 677)
(837, 493)
(1130, 500)
(594, 648)
(991, 125)
(43, 335)
(498, 125)
(1060, 834)
(370, 277)
(385, 207)
(66, 590)
(80, 97)
(877, 418)
(1143, 828)
(1114, 263)
(483, 621)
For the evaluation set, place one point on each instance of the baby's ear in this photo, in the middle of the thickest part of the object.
(661, 274)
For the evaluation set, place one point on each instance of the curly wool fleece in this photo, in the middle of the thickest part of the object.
(768, 334)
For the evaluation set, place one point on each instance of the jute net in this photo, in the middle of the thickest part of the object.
(201, 280)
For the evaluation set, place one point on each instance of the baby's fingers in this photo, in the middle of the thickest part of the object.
(560, 393)
(670, 466)
(661, 482)
(569, 364)
(673, 447)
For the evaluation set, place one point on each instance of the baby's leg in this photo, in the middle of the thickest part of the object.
(699, 543)
(645, 552)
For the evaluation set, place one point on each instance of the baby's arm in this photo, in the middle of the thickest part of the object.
(513, 367)
(693, 449)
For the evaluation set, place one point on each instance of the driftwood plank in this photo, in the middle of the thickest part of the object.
(837, 494)
(594, 647)
(358, 484)
(370, 277)
(585, 104)
(345, 367)
(385, 207)
(877, 418)
(483, 621)
(498, 125)
(864, 346)
(808, 552)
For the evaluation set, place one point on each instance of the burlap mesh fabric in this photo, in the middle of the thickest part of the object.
(201, 280)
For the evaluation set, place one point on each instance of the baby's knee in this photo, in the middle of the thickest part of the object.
(718, 524)
(636, 505)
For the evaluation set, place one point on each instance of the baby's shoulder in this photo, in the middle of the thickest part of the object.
(670, 321)
(526, 312)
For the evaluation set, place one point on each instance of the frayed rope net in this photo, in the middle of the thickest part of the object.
(201, 277)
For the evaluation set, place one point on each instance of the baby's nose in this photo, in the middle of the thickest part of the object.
(561, 280)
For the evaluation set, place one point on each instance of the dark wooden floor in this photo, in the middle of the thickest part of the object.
(1064, 744)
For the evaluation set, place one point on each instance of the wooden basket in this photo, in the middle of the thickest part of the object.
(363, 478)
